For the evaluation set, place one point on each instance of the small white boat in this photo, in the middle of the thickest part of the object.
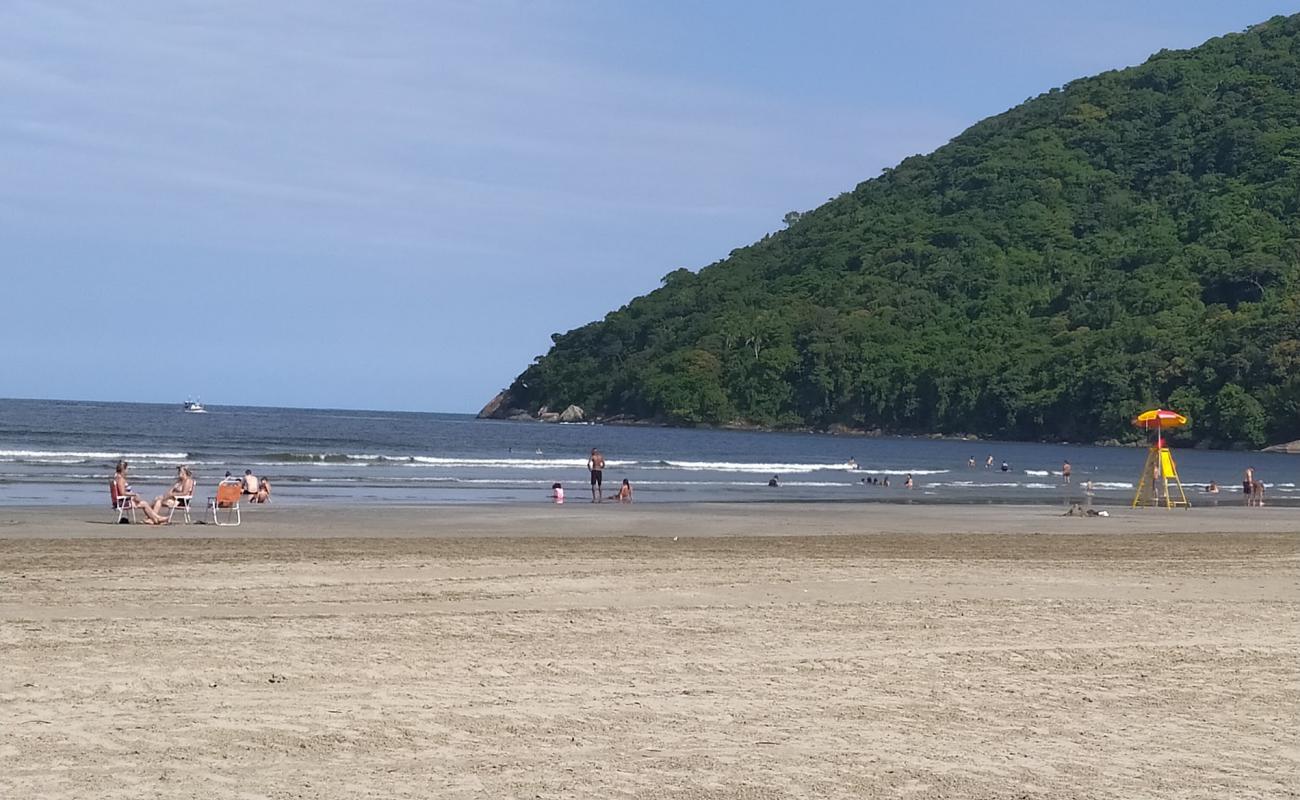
(193, 407)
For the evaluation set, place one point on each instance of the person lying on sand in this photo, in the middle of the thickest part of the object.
(1077, 510)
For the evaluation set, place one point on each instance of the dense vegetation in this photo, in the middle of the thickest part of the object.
(1128, 240)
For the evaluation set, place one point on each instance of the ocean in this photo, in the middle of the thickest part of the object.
(62, 453)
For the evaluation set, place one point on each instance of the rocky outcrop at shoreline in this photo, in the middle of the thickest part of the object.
(499, 408)
(1285, 447)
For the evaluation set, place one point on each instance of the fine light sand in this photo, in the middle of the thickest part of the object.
(766, 651)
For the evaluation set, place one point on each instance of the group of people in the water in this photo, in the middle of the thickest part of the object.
(1006, 467)
(1252, 488)
(872, 480)
(257, 490)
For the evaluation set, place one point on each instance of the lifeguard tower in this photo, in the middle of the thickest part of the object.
(1159, 485)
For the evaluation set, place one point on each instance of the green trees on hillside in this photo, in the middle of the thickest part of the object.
(1131, 239)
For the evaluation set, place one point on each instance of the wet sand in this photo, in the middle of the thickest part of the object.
(745, 651)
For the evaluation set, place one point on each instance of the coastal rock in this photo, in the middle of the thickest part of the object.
(628, 419)
(1285, 447)
(501, 407)
(494, 406)
(739, 425)
(840, 429)
(571, 414)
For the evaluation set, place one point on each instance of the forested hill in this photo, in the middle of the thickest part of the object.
(1128, 240)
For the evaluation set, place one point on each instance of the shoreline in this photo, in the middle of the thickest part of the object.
(651, 520)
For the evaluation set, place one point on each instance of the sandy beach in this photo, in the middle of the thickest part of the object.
(731, 651)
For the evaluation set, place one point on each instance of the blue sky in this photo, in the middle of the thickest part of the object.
(392, 205)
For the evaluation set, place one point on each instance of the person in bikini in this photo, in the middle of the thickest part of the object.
(183, 487)
(123, 489)
(624, 494)
(596, 465)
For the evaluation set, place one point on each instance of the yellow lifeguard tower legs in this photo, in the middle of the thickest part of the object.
(1155, 487)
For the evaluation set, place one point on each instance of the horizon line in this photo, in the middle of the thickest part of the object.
(239, 405)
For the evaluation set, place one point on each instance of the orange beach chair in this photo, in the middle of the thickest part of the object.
(227, 502)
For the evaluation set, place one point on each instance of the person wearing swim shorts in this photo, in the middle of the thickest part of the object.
(596, 465)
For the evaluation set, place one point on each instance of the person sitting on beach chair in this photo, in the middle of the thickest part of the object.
(178, 496)
(227, 501)
(125, 499)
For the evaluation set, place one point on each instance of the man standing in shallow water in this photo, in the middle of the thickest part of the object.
(596, 465)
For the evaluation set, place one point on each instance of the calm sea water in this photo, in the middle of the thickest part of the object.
(54, 452)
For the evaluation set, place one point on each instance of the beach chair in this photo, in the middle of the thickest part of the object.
(121, 502)
(226, 501)
(183, 504)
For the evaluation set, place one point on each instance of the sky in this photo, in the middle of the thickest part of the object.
(393, 205)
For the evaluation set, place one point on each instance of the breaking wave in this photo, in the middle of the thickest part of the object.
(77, 456)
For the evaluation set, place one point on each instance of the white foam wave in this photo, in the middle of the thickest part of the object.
(510, 463)
(780, 468)
(1037, 472)
(544, 463)
(974, 485)
(819, 483)
(705, 483)
(485, 481)
(744, 466)
(77, 455)
(912, 472)
(997, 484)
